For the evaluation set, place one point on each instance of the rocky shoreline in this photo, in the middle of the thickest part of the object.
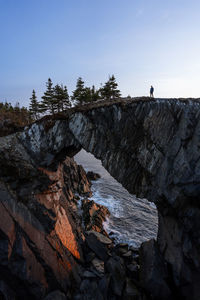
(110, 271)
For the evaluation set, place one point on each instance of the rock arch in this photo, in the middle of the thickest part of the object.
(152, 148)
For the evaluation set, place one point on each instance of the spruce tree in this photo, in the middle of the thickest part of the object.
(34, 106)
(61, 98)
(58, 97)
(79, 93)
(109, 90)
(105, 91)
(48, 98)
(115, 93)
(66, 101)
(94, 94)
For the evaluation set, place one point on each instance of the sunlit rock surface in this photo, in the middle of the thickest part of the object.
(40, 232)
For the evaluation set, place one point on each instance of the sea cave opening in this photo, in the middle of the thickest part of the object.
(133, 220)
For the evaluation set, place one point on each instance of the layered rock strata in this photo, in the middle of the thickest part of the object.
(41, 234)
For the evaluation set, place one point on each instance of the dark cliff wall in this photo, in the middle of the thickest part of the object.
(152, 148)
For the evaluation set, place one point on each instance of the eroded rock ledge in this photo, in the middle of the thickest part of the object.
(152, 148)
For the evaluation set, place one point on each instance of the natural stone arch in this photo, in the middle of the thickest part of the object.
(152, 148)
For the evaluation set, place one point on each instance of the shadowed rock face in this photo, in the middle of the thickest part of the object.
(151, 147)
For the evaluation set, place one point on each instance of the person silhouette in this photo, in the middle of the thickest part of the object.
(151, 91)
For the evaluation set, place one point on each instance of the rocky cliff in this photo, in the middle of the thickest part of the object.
(41, 234)
(150, 146)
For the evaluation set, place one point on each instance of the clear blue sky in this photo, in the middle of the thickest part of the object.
(141, 42)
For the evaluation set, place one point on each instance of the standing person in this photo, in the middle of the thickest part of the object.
(151, 91)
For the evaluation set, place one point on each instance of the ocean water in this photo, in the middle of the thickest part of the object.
(132, 220)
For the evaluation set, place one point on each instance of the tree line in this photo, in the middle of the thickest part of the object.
(56, 98)
(15, 115)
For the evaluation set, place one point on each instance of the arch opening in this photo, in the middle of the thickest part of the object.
(132, 220)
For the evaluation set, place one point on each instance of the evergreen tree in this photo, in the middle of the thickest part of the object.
(79, 93)
(87, 95)
(34, 106)
(58, 97)
(61, 98)
(94, 94)
(115, 93)
(109, 90)
(66, 101)
(48, 98)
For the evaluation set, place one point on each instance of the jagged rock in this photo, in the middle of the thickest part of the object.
(104, 286)
(134, 270)
(89, 274)
(94, 215)
(89, 256)
(115, 267)
(123, 245)
(98, 265)
(100, 237)
(134, 249)
(133, 267)
(97, 242)
(131, 292)
(121, 250)
(93, 176)
(90, 290)
(153, 271)
(127, 254)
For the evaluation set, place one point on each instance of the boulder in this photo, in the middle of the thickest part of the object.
(98, 243)
(90, 291)
(98, 265)
(92, 175)
(115, 267)
(104, 286)
(94, 215)
(153, 271)
(131, 292)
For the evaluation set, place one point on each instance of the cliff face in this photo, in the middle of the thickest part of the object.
(151, 147)
(40, 230)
